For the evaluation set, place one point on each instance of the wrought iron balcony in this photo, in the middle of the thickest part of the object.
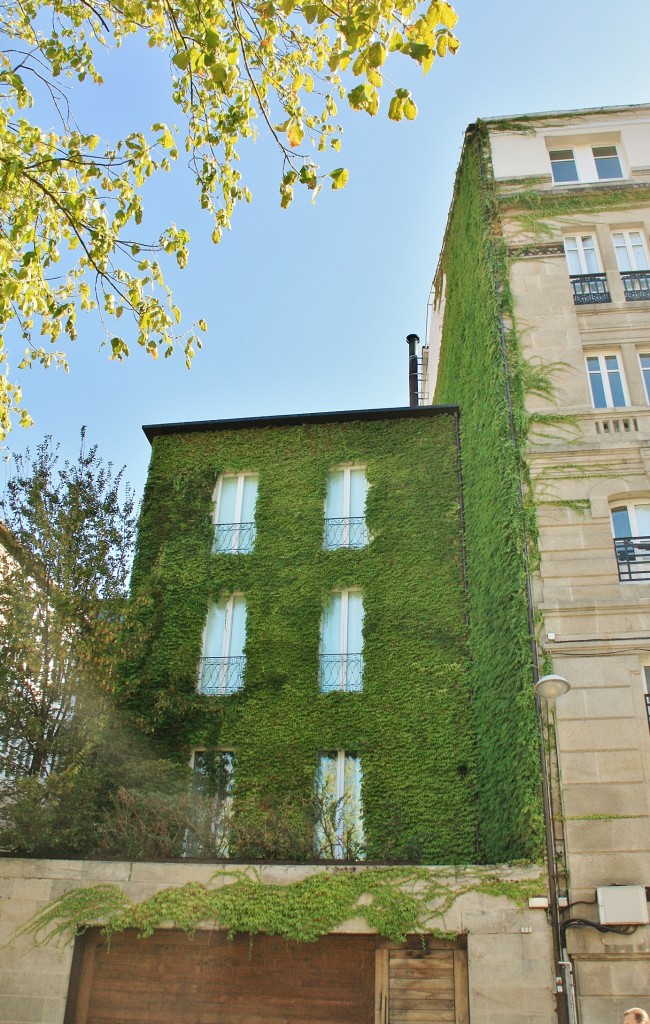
(636, 284)
(633, 557)
(346, 533)
(234, 538)
(220, 676)
(647, 706)
(588, 288)
(341, 672)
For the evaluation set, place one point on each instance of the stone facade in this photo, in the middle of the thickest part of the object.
(595, 625)
(509, 949)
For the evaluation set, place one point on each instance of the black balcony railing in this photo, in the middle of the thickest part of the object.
(234, 538)
(647, 707)
(590, 288)
(341, 672)
(218, 676)
(346, 533)
(633, 557)
(636, 284)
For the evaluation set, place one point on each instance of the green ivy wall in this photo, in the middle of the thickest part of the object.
(498, 523)
(412, 723)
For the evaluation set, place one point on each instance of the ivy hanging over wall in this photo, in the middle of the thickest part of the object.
(392, 901)
(473, 274)
(534, 208)
(411, 724)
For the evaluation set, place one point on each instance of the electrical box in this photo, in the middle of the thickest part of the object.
(622, 904)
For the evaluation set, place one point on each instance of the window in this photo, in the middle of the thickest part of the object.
(341, 658)
(633, 263)
(563, 166)
(606, 381)
(234, 513)
(581, 254)
(607, 162)
(339, 829)
(588, 281)
(646, 690)
(631, 529)
(212, 772)
(631, 251)
(222, 665)
(644, 359)
(345, 508)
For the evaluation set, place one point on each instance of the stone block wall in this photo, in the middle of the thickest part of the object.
(509, 948)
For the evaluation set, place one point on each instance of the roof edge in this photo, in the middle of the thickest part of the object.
(153, 430)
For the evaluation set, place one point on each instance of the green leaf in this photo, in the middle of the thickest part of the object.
(339, 177)
(182, 60)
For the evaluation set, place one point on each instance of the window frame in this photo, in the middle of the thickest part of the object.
(224, 688)
(223, 805)
(346, 518)
(646, 381)
(344, 654)
(236, 524)
(646, 691)
(616, 156)
(601, 355)
(580, 251)
(339, 841)
(629, 250)
(564, 181)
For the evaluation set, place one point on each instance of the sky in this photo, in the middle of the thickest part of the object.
(308, 309)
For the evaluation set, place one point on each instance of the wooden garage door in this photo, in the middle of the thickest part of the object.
(171, 978)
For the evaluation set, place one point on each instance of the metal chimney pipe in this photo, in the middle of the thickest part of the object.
(414, 397)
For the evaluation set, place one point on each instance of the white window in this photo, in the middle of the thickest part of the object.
(339, 829)
(234, 512)
(213, 776)
(631, 250)
(631, 529)
(582, 254)
(644, 359)
(222, 665)
(631, 520)
(606, 381)
(563, 166)
(341, 657)
(608, 164)
(345, 508)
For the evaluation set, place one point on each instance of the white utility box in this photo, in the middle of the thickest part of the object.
(622, 904)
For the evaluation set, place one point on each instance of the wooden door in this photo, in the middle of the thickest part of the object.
(416, 985)
(172, 978)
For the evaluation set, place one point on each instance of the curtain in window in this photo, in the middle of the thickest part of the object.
(339, 831)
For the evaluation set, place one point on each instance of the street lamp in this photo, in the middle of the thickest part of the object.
(550, 687)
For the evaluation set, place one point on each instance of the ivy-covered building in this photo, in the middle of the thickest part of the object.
(307, 640)
(540, 332)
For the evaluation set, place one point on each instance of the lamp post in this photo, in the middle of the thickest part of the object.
(547, 689)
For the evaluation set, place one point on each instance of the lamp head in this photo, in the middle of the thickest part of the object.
(552, 686)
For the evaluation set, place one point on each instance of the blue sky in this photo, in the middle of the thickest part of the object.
(308, 308)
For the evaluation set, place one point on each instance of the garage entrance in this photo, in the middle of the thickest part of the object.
(172, 978)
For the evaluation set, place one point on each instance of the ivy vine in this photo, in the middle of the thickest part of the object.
(394, 902)
(411, 725)
(473, 273)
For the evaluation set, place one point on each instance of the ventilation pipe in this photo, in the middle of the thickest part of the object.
(413, 341)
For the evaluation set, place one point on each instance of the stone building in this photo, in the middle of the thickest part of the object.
(300, 583)
(540, 331)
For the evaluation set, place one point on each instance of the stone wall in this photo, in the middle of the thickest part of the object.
(509, 949)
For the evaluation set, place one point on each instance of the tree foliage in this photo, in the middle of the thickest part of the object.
(71, 203)
(63, 585)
